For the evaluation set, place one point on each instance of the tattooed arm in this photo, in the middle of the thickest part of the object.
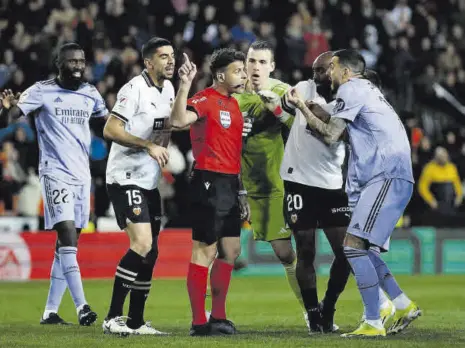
(331, 130)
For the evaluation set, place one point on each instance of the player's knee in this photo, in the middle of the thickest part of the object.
(306, 263)
(306, 253)
(141, 245)
(354, 242)
(67, 236)
(203, 254)
(285, 255)
(229, 253)
(151, 257)
(339, 253)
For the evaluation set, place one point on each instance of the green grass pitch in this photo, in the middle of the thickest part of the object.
(264, 310)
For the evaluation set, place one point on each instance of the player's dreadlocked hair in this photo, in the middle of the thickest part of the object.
(351, 59)
(149, 48)
(263, 45)
(222, 58)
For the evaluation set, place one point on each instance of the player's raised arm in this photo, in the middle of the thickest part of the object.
(11, 111)
(180, 116)
(330, 131)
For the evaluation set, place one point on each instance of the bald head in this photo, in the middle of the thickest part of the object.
(320, 66)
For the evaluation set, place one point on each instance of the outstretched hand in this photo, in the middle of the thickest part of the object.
(9, 99)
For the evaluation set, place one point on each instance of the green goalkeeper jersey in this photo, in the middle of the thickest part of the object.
(264, 147)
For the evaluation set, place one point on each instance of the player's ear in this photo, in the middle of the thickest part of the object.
(346, 72)
(220, 77)
(273, 66)
(57, 63)
(148, 64)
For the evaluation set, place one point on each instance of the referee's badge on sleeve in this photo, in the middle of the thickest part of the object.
(225, 119)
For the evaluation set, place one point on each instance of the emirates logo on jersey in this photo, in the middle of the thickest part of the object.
(225, 119)
(137, 211)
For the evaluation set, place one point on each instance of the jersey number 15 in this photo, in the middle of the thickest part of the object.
(134, 197)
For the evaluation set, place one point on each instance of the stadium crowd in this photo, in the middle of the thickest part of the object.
(417, 47)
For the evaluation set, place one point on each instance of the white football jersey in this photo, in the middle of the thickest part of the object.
(145, 109)
(308, 160)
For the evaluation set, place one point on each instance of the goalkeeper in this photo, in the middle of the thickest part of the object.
(262, 155)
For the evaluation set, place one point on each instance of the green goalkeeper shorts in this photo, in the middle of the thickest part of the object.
(268, 218)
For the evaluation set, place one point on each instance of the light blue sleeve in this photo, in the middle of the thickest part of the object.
(31, 99)
(348, 103)
(100, 109)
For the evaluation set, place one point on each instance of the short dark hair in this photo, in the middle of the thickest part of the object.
(149, 48)
(373, 77)
(221, 58)
(351, 59)
(263, 45)
(70, 46)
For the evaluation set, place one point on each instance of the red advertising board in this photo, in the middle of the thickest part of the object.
(30, 255)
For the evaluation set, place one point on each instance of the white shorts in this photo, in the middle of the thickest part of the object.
(65, 202)
(377, 209)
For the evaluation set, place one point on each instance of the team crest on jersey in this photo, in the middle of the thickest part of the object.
(294, 218)
(340, 105)
(136, 211)
(225, 119)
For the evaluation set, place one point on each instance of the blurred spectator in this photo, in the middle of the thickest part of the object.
(449, 61)
(440, 185)
(243, 31)
(13, 176)
(316, 41)
(398, 19)
(403, 63)
(294, 48)
(30, 195)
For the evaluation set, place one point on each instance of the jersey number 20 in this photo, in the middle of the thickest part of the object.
(294, 202)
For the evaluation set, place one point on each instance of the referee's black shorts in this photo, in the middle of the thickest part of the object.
(215, 211)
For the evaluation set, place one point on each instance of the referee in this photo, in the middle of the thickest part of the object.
(218, 201)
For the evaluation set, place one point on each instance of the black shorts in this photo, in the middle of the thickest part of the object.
(215, 211)
(135, 204)
(308, 207)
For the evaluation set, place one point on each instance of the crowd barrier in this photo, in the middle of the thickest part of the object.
(28, 255)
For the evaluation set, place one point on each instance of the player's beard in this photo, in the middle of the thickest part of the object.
(334, 86)
(69, 78)
(324, 89)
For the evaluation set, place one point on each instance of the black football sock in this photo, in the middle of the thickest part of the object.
(140, 291)
(126, 273)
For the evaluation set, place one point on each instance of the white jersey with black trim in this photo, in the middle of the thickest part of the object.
(145, 109)
(307, 159)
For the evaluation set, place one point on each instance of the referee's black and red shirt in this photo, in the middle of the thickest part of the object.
(217, 135)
